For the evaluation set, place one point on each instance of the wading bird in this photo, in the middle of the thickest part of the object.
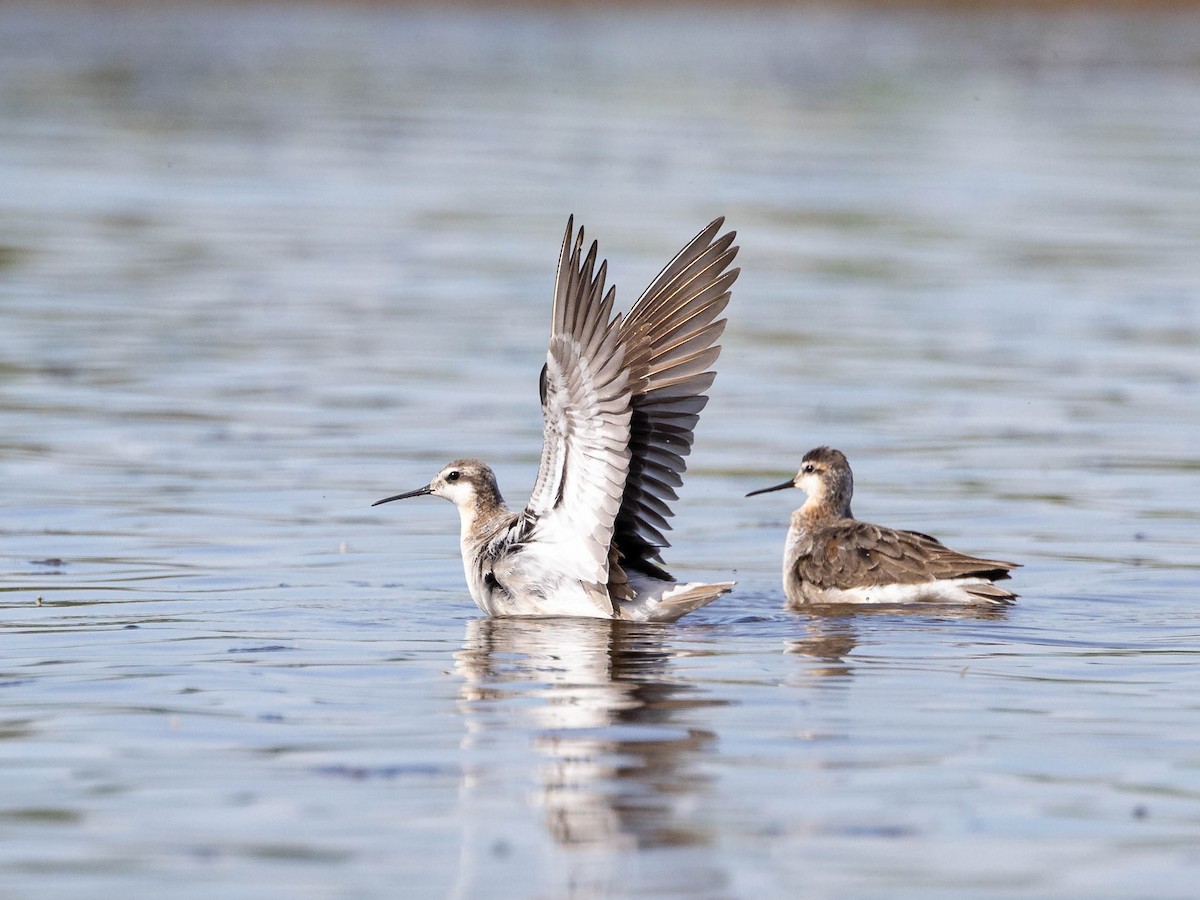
(620, 400)
(832, 557)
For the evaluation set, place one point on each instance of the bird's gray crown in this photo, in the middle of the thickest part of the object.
(826, 455)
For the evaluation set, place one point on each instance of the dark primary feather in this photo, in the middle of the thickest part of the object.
(669, 339)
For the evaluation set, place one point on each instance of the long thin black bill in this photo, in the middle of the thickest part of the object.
(419, 492)
(779, 487)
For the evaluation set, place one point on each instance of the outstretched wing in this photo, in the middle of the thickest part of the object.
(669, 339)
(585, 404)
(856, 554)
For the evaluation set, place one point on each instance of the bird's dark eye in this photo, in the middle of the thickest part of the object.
(453, 476)
(809, 469)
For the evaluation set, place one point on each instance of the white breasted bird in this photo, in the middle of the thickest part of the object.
(620, 399)
(831, 557)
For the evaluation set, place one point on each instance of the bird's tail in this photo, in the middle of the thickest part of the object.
(989, 592)
(669, 601)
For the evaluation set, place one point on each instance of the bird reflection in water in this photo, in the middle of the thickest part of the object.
(832, 631)
(619, 757)
(828, 640)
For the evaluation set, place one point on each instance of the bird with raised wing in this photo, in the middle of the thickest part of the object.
(621, 396)
(831, 557)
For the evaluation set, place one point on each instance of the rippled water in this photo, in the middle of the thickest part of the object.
(261, 266)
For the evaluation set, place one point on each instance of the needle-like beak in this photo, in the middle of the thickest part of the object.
(779, 487)
(419, 492)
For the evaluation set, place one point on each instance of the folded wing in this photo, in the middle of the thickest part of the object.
(853, 554)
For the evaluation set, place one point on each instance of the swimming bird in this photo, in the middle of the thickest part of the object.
(620, 400)
(832, 557)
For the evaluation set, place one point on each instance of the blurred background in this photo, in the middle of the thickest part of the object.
(264, 263)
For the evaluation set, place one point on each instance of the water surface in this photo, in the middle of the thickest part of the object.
(261, 266)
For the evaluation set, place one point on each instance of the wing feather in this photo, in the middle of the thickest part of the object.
(850, 554)
(670, 338)
(585, 388)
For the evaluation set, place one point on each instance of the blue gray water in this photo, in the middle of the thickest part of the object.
(260, 266)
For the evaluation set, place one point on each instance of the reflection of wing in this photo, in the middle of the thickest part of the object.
(855, 554)
(668, 338)
(585, 406)
(591, 708)
(569, 659)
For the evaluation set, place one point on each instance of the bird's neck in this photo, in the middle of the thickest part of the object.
(818, 510)
(482, 516)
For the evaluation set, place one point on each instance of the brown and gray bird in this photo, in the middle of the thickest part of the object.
(832, 557)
